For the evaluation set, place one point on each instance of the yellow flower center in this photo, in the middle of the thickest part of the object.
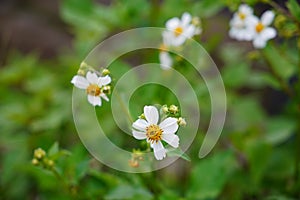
(178, 31)
(154, 133)
(93, 90)
(242, 15)
(259, 27)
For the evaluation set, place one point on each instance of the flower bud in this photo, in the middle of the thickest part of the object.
(35, 161)
(105, 72)
(173, 109)
(142, 116)
(106, 89)
(165, 109)
(133, 163)
(196, 21)
(39, 153)
(181, 121)
(50, 163)
(80, 72)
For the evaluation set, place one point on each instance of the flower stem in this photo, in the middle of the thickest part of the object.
(123, 107)
(297, 153)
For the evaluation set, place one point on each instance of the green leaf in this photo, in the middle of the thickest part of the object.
(294, 8)
(258, 154)
(207, 8)
(53, 149)
(279, 130)
(178, 153)
(258, 79)
(236, 75)
(281, 66)
(129, 192)
(209, 176)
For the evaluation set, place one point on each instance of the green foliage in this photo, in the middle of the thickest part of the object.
(209, 176)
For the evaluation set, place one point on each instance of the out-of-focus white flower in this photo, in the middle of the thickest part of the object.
(165, 59)
(181, 29)
(154, 133)
(261, 31)
(93, 86)
(239, 24)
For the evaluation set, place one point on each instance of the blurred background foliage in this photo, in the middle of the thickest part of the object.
(42, 45)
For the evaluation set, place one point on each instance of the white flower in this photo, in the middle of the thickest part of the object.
(239, 24)
(261, 31)
(93, 86)
(180, 29)
(165, 59)
(152, 131)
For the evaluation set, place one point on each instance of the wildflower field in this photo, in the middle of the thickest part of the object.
(150, 99)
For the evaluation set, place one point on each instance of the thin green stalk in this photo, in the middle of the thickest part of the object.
(124, 108)
(297, 153)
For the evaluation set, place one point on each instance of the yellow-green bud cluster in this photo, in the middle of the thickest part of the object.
(173, 109)
(40, 158)
(105, 72)
(106, 89)
(142, 116)
(136, 157)
(181, 121)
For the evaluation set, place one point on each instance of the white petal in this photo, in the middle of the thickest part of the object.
(251, 22)
(245, 9)
(171, 139)
(151, 114)
(259, 42)
(177, 41)
(94, 100)
(268, 33)
(169, 125)
(104, 80)
(80, 82)
(104, 97)
(140, 124)
(172, 23)
(267, 18)
(232, 33)
(167, 38)
(92, 77)
(139, 135)
(189, 31)
(165, 59)
(186, 18)
(159, 150)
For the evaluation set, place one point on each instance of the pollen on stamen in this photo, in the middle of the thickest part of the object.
(259, 27)
(178, 31)
(93, 90)
(242, 15)
(154, 133)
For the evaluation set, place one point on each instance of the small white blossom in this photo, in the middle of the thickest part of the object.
(261, 31)
(165, 59)
(93, 86)
(154, 133)
(239, 24)
(180, 29)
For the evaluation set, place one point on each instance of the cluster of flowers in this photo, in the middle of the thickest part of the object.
(178, 31)
(245, 26)
(158, 125)
(147, 126)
